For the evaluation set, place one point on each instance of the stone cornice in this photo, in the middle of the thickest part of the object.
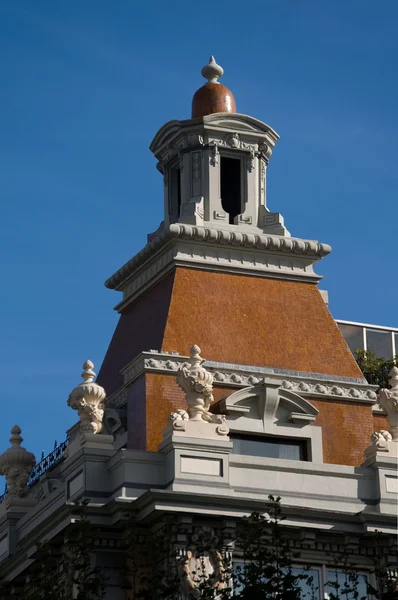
(311, 385)
(240, 250)
(266, 243)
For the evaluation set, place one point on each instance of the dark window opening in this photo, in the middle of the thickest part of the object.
(269, 447)
(231, 200)
(175, 194)
(178, 193)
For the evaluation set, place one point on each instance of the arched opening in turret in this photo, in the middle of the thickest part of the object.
(175, 194)
(231, 187)
(178, 194)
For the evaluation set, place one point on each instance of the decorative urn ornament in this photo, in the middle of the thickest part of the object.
(88, 398)
(16, 464)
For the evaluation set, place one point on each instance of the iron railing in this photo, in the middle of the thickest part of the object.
(46, 463)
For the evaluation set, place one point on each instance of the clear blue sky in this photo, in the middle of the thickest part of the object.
(85, 85)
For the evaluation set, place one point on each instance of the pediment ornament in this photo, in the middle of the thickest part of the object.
(265, 398)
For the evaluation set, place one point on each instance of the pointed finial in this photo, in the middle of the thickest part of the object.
(88, 374)
(15, 438)
(212, 71)
(194, 356)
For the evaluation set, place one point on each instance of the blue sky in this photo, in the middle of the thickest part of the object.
(86, 85)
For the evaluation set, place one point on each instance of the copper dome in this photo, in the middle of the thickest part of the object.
(213, 97)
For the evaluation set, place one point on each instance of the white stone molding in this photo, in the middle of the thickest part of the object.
(310, 385)
(388, 400)
(270, 394)
(16, 464)
(235, 127)
(88, 398)
(226, 249)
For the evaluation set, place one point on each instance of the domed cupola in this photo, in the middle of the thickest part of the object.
(212, 97)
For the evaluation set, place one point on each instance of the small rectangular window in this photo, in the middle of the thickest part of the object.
(270, 447)
(231, 187)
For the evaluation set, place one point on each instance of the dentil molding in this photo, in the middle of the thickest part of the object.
(243, 251)
(239, 376)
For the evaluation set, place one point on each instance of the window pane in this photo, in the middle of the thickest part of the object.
(310, 590)
(255, 447)
(291, 451)
(353, 335)
(269, 447)
(379, 342)
(343, 580)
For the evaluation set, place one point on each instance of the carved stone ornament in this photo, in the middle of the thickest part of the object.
(250, 161)
(88, 398)
(177, 418)
(16, 464)
(232, 140)
(388, 400)
(380, 439)
(214, 155)
(264, 151)
(195, 140)
(197, 383)
(198, 564)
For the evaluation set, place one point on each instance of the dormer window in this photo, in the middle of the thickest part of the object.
(231, 186)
